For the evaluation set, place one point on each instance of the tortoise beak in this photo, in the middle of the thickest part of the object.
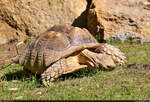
(15, 59)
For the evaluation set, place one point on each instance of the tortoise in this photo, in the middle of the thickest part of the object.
(64, 49)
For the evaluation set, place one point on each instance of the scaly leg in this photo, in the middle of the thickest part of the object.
(99, 59)
(118, 57)
(62, 66)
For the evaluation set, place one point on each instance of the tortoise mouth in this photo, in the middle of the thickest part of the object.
(15, 59)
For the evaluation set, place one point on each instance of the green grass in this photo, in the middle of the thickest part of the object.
(118, 84)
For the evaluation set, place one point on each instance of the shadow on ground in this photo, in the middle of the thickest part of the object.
(21, 76)
(18, 75)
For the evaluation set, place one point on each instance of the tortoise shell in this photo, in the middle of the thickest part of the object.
(57, 42)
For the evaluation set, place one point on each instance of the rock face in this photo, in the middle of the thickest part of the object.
(95, 19)
(8, 33)
(119, 16)
(19, 18)
(103, 18)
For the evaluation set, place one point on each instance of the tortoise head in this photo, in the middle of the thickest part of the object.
(16, 59)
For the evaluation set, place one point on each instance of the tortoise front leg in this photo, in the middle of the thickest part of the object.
(62, 66)
(99, 59)
(53, 72)
(106, 56)
(118, 57)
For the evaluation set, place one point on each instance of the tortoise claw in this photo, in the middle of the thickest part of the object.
(46, 83)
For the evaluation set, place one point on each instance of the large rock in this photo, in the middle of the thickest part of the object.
(119, 16)
(7, 33)
(32, 17)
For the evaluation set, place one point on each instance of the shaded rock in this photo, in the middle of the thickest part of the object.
(31, 17)
(128, 36)
(117, 16)
(95, 19)
(122, 37)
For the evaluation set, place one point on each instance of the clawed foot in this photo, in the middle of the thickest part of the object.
(46, 83)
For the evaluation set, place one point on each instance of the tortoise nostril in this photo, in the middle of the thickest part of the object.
(15, 59)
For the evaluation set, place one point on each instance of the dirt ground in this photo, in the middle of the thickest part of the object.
(138, 66)
(8, 51)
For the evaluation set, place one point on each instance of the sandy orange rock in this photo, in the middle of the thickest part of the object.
(119, 16)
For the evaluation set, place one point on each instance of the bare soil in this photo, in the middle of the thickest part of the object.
(8, 51)
(139, 66)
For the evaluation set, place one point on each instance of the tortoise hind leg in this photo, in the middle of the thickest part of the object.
(62, 66)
